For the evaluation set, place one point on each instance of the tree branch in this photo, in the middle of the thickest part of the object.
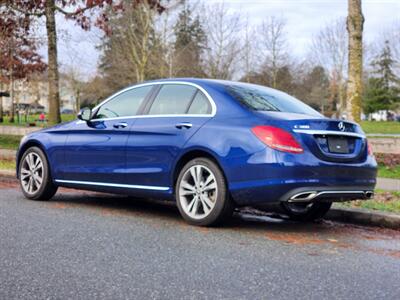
(76, 12)
(25, 12)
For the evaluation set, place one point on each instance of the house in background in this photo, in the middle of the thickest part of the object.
(34, 93)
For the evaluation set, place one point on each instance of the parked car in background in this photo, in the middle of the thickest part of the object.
(67, 111)
(35, 108)
(209, 145)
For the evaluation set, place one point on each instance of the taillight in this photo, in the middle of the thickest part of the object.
(277, 138)
(370, 152)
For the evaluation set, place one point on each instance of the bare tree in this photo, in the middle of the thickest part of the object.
(137, 40)
(329, 49)
(248, 50)
(355, 22)
(74, 81)
(273, 45)
(223, 47)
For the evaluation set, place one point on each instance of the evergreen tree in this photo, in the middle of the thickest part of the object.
(189, 45)
(382, 89)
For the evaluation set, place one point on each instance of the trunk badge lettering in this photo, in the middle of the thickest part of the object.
(341, 126)
(302, 126)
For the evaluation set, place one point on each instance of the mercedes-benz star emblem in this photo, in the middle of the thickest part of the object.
(341, 126)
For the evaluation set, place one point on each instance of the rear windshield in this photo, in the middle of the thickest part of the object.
(261, 98)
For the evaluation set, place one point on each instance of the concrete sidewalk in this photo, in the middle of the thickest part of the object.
(7, 154)
(388, 184)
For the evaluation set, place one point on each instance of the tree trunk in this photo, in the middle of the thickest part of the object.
(54, 95)
(1, 103)
(78, 102)
(355, 22)
(12, 108)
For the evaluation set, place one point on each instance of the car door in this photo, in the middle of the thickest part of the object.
(95, 151)
(174, 114)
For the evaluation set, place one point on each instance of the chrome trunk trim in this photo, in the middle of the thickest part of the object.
(329, 132)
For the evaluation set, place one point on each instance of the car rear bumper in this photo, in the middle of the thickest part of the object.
(284, 177)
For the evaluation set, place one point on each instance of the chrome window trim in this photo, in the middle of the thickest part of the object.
(129, 186)
(329, 132)
(210, 99)
(146, 116)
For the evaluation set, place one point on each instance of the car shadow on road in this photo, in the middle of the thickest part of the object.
(243, 220)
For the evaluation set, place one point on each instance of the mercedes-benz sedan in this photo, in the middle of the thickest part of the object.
(209, 145)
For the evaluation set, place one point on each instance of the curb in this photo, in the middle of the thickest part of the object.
(364, 217)
(7, 174)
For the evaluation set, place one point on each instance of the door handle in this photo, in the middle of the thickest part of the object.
(184, 125)
(120, 125)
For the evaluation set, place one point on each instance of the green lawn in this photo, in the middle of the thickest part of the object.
(34, 119)
(371, 127)
(383, 201)
(386, 172)
(7, 164)
(9, 141)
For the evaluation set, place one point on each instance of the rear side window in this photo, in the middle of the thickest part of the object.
(262, 98)
(125, 104)
(200, 105)
(172, 99)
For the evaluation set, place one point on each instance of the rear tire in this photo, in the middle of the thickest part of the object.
(201, 193)
(304, 212)
(34, 175)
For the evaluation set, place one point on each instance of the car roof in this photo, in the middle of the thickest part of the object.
(213, 83)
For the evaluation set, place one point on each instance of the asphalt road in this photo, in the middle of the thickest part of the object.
(92, 246)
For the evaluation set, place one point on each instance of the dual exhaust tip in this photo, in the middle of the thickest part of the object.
(309, 196)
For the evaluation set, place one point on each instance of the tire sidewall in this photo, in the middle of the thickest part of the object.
(222, 196)
(46, 173)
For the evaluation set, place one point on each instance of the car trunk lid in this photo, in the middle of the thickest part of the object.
(328, 139)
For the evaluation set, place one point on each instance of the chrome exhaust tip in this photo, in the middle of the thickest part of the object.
(341, 195)
(369, 194)
(303, 197)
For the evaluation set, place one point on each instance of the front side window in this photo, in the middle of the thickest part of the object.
(172, 99)
(125, 104)
(261, 98)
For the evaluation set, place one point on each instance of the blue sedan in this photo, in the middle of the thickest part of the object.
(209, 145)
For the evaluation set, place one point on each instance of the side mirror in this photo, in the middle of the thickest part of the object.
(85, 114)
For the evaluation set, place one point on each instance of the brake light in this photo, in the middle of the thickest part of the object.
(370, 152)
(277, 138)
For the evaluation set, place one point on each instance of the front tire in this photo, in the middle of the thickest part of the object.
(201, 193)
(306, 212)
(34, 175)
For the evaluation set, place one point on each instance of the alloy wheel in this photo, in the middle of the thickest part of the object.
(198, 191)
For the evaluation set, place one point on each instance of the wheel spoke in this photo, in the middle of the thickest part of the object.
(195, 207)
(188, 186)
(25, 173)
(30, 184)
(206, 208)
(211, 186)
(38, 180)
(199, 171)
(38, 166)
(186, 192)
(194, 176)
(29, 161)
(192, 203)
(208, 180)
(207, 201)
